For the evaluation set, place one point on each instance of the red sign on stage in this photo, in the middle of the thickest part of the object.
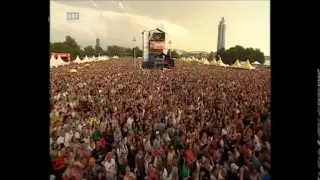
(157, 45)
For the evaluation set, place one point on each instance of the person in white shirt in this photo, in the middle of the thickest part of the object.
(67, 139)
(86, 139)
(147, 144)
(256, 143)
(103, 125)
(110, 167)
(129, 122)
(60, 139)
(164, 174)
(77, 135)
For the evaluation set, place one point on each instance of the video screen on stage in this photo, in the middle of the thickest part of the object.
(158, 36)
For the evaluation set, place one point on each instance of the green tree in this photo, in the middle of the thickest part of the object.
(71, 42)
(174, 54)
(98, 51)
(138, 52)
(220, 53)
(230, 55)
(61, 47)
(67, 46)
(89, 51)
(104, 53)
(211, 56)
(258, 56)
(82, 54)
(114, 50)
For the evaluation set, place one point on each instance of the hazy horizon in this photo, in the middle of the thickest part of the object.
(191, 25)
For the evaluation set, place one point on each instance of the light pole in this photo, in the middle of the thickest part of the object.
(170, 48)
(134, 49)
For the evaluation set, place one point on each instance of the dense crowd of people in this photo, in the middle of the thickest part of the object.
(112, 120)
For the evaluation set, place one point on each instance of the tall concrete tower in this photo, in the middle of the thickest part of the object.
(221, 34)
(97, 42)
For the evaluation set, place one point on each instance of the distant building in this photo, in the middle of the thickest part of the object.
(98, 42)
(221, 34)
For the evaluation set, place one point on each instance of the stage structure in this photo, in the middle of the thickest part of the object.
(153, 44)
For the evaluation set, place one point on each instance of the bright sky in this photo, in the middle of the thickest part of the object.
(191, 25)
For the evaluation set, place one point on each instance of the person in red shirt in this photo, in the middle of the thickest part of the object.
(103, 143)
(152, 172)
(214, 144)
(61, 162)
(189, 156)
(166, 147)
(68, 153)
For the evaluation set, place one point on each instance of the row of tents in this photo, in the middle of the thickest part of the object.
(237, 64)
(59, 62)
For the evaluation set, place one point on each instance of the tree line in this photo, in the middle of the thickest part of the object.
(69, 45)
(230, 55)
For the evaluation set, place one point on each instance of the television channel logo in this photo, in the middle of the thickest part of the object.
(73, 16)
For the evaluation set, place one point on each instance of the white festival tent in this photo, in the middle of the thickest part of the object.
(93, 58)
(247, 65)
(220, 63)
(60, 61)
(267, 63)
(115, 57)
(205, 61)
(236, 64)
(213, 62)
(256, 63)
(86, 59)
(100, 58)
(53, 62)
(103, 58)
(77, 60)
(194, 59)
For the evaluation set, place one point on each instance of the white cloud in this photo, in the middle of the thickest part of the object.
(93, 3)
(111, 27)
(120, 5)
